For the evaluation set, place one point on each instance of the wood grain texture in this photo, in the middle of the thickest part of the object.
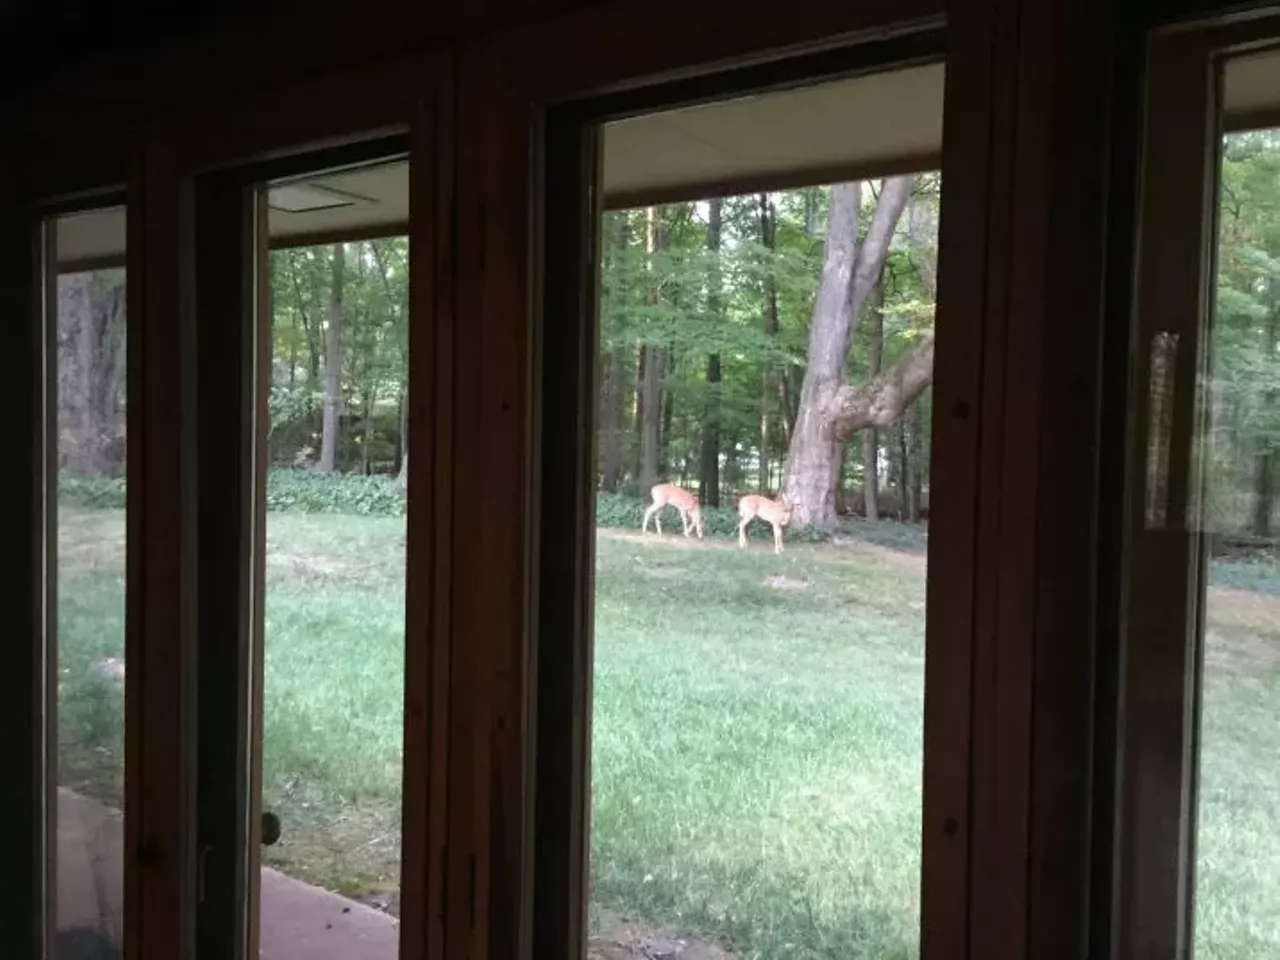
(430, 524)
(161, 517)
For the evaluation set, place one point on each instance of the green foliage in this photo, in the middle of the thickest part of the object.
(288, 491)
(308, 491)
(81, 491)
(1244, 379)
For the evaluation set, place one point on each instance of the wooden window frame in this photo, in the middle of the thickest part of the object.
(565, 358)
(1165, 545)
(1012, 569)
(29, 690)
(218, 154)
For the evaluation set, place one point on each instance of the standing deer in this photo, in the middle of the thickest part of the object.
(775, 512)
(669, 495)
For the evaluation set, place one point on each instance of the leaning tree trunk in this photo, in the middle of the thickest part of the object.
(849, 274)
(813, 462)
(333, 365)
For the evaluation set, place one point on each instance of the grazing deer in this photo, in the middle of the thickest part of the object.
(669, 495)
(775, 512)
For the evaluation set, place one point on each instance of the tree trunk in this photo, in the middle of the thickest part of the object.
(637, 438)
(1264, 464)
(652, 419)
(849, 275)
(333, 365)
(916, 460)
(616, 387)
(668, 401)
(651, 412)
(91, 357)
(709, 475)
(366, 428)
(769, 240)
(871, 440)
(402, 418)
(293, 351)
(904, 470)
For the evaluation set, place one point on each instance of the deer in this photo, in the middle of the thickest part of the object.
(777, 513)
(670, 495)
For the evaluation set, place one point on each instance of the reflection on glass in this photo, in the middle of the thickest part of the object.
(88, 314)
(1238, 848)
(333, 688)
(758, 715)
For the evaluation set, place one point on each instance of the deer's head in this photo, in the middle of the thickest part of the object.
(785, 512)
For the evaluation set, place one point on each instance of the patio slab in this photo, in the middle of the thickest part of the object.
(299, 921)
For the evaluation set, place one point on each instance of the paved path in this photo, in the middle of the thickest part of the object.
(299, 921)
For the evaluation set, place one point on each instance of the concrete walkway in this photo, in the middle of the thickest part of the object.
(299, 921)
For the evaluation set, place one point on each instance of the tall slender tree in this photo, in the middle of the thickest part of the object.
(709, 475)
(333, 362)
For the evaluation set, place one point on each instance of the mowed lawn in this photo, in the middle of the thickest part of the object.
(757, 732)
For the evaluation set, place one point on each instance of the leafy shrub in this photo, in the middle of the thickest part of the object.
(97, 492)
(308, 491)
(296, 491)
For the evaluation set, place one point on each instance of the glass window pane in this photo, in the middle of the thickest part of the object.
(1237, 914)
(762, 510)
(89, 313)
(334, 680)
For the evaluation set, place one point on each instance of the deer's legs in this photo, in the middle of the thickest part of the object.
(777, 539)
(742, 532)
(684, 519)
(644, 527)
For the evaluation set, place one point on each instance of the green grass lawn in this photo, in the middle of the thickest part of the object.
(757, 731)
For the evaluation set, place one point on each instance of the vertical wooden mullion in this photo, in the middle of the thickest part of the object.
(229, 449)
(469, 746)
(567, 335)
(160, 568)
(430, 523)
(1033, 186)
(25, 509)
(489, 802)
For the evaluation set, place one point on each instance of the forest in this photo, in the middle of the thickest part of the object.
(779, 343)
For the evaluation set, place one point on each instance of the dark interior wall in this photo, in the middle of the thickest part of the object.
(142, 52)
(153, 56)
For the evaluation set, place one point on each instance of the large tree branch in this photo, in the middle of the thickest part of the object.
(882, 400)
(874, 249)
